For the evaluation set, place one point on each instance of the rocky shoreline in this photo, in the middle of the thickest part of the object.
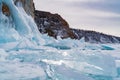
(54, 25)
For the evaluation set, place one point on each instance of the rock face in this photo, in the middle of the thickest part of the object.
(5, 9)
(28, 6)
(53, 24)
(95, 37)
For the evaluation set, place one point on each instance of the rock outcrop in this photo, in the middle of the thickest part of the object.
(53, 24)
(95, 37)
(28, 6)
(5, 9)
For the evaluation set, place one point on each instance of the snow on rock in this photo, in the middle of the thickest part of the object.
(27, 55)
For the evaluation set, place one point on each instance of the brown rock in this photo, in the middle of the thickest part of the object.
(28, 6)
(5, 10)
(53, 24)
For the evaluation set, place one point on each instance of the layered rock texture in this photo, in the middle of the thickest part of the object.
(54, 25)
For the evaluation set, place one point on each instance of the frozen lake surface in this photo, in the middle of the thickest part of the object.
(25, 54)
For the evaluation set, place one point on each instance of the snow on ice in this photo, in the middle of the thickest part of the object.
(25, 54)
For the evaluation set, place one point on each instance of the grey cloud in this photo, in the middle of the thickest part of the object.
(104, 5)
(102, 16)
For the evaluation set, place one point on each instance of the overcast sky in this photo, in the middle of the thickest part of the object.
(98, 15)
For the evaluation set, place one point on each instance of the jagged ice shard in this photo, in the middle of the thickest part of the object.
(25, 54)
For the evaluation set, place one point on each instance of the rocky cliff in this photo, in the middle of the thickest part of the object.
(54, 25)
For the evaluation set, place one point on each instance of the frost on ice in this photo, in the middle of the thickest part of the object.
(25, 54)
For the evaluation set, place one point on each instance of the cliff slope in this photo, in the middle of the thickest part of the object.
(54, 25)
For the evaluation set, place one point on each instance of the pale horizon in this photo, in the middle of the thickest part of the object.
(98, 15)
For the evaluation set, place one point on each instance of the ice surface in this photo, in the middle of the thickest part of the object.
(21, 71)
(25, 54)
